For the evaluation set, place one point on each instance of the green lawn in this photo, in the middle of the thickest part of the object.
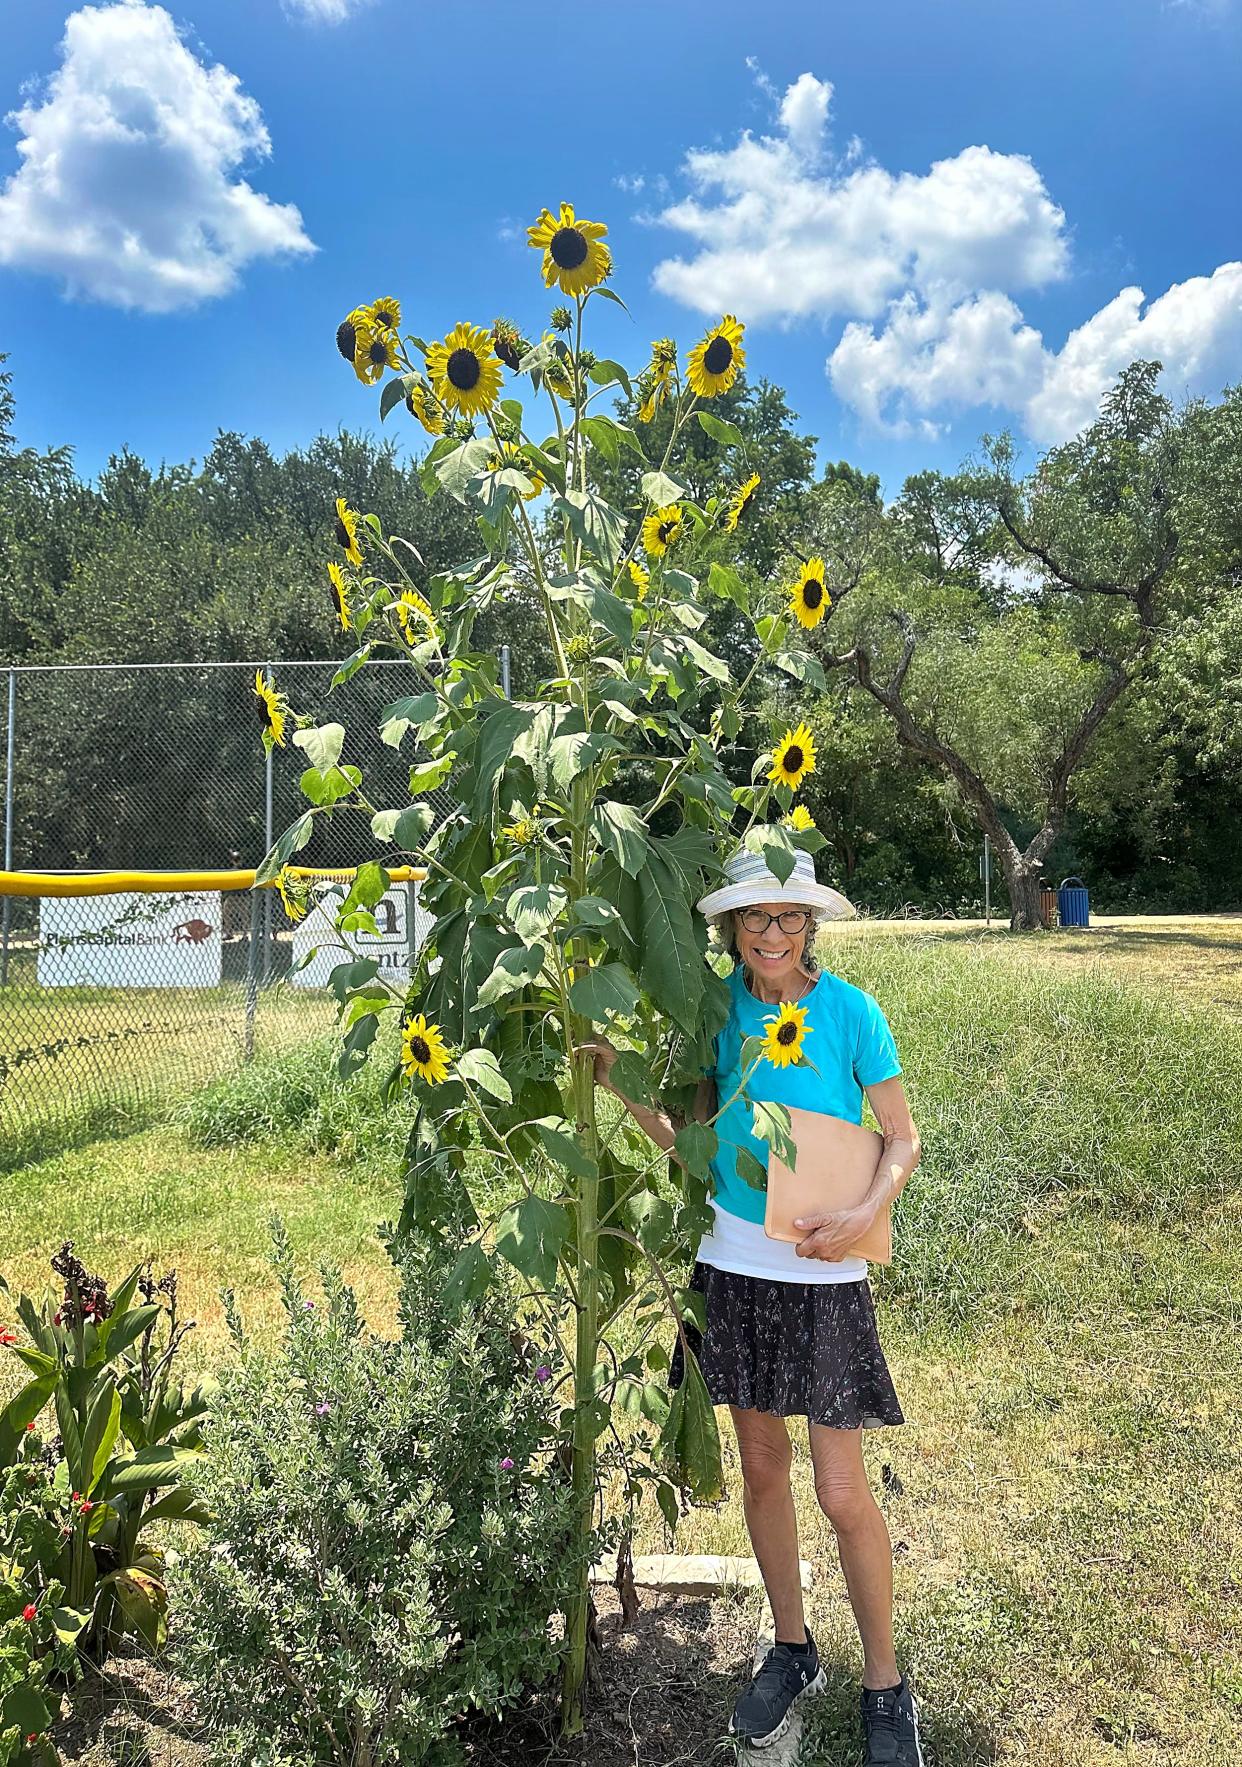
(1062, 1322)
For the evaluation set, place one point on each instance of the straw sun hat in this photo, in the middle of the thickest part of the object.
(750, 882)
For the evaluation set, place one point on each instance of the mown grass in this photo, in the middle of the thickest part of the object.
(1062, 1322)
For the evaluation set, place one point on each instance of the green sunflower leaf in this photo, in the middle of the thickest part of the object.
(533, 907)
(690, 1439)
(661, 490)
(711, 665)
(607, 989)
(500, 731)
(572, 754)
(431, 773)
(621, 831)
(604, 371)
(397, 718)
(468, 1280)
(532, 1234)
(649, 1218)
(323, 745)
(455, 471)
(562, 1147)
(350, 667)
(610, 294)
(775, 842)
(727, 434)
(773, 1125)
(670, 966)
(290, 842)
(393, 394)
(481, 1069)
(695, 1146)
(751, 1170)
(514, 969)
(802, 666)
(410, 828)
(599, 526)
(630, 1076)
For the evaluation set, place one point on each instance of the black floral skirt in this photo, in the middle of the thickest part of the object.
(795, 1348)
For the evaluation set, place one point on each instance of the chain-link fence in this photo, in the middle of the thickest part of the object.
(112, 1003)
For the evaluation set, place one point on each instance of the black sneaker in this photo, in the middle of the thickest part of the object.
(890, 1718)
(762, 1713)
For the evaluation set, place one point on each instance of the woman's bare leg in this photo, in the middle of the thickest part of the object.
(767, 1497)
(863, 1541)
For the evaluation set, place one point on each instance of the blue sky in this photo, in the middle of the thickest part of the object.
(935, 220)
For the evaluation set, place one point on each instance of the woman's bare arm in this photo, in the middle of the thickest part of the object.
(660, 1125)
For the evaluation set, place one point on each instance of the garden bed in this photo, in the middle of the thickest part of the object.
(666, 1690)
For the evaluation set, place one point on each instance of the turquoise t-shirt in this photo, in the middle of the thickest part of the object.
(848, 1039)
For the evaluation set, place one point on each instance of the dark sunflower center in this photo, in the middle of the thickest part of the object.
(346, 339)
(718, 355)
(667, 530)
(568, 248)
(343, 536)
(387, 317)
(420, 1049)
(788, 1033)
(464, 370)
(812, 592)
(378, 351)
(265, 714)
(792, 759)
(506, 349)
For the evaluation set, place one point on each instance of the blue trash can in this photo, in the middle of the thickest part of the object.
(1072, 904)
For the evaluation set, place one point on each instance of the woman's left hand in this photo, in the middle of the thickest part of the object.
(831, 1235)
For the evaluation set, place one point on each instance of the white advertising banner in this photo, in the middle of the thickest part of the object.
(317, 932)
(131, 941)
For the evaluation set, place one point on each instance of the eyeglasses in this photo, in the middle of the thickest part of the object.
(790, 920)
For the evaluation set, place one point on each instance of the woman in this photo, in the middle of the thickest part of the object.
(791, 1328)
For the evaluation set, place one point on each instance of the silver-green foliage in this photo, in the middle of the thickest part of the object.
(373, 1572)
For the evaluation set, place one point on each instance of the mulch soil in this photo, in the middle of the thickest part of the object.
(662, 1696)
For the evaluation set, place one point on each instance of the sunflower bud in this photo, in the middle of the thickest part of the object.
(508, 343)
(562, 319)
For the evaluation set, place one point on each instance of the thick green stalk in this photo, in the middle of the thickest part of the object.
(582, 1068)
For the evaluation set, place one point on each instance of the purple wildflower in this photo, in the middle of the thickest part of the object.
(506, 1464)
(323, 1408)
(543, 1372)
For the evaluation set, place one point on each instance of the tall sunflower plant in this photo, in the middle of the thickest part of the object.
(591, 813)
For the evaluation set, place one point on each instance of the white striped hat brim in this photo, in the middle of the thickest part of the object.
(751, 882)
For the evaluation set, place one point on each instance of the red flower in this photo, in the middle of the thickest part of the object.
(30, 1612)
(87, 1506)
(7, 1336)
(29, 1427)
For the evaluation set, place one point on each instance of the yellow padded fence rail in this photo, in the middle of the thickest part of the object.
(111, 883)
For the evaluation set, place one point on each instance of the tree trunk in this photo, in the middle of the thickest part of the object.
(1023, 882)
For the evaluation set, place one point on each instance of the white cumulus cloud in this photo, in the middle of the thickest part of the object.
(782, 232)
(1194, 328)
(921, 270)
(325, 12)
(128, 186)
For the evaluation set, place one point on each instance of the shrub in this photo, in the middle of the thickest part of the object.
(391, 1535)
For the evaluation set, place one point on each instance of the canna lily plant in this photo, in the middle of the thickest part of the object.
(591, 813)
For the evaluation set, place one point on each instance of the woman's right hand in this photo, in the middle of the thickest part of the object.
(605, 1055)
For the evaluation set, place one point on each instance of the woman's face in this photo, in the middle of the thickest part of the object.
(773, 957)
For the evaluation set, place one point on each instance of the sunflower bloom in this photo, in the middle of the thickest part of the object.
(794, 758)
(273, 709)
(346, 531)
(294, 892)
(574, 258)
(347, 332)
(809, 599)
(465, 370)
(374, 352)
(384, 315)
(509, 344)
(714, 363)
(743, 497)
(423, 1052)
(783, 1035)
(524, 830)
(640, 579)
(340, 594)
(661, 529)
(660, 377)
(422, 403)
(410, 606)
(799, 818)
(509, 454)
